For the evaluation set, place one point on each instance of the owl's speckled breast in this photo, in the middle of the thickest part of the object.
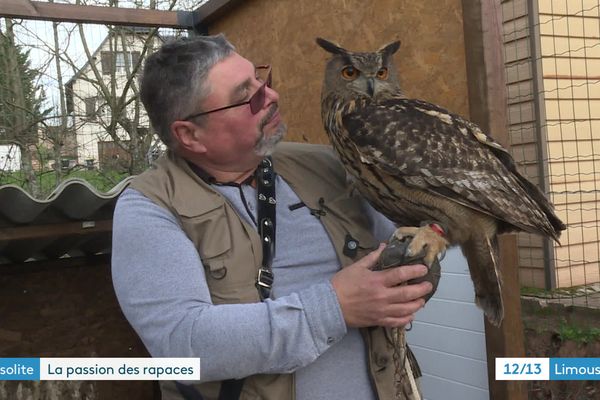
(341, 142)
(385, 199)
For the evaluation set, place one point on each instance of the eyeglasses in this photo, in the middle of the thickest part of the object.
(257, 101)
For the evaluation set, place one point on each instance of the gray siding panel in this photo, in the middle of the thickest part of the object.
(455, 368)
(457, 287)
(438, 388)
(449, 340)
(455, 262)
(452, 314)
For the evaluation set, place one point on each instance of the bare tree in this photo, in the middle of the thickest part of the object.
(115, 81)
(57, 136)
(20, 103)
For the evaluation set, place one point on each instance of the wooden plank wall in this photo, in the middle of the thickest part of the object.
(430, 62)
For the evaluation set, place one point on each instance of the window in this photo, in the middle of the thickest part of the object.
(90, 108)
(123, 61)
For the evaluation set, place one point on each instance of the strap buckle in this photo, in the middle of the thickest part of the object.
(265, 278)
(264, 283)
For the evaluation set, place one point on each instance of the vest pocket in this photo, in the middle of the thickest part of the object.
(224, 250)
(210, 234)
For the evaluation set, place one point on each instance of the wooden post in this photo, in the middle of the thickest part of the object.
(488, 108)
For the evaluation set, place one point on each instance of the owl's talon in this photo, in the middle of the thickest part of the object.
(441, 255)
(426, 241)
(404, 232)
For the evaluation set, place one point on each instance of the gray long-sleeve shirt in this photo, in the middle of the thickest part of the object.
(160, 283)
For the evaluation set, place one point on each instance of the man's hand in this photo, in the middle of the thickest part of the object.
(376, 298)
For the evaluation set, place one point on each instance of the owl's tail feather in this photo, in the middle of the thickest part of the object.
(482, 257)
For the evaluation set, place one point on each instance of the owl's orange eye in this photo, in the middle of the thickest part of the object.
(350, 73)
(382, 73)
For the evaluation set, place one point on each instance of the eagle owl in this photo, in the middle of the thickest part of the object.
(416, 162)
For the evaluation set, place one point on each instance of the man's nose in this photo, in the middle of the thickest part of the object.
(272, 96)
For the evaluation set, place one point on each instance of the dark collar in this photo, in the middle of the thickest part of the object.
(211, 180)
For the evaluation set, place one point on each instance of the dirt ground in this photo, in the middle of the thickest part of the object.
(546, 326)
(66, 311)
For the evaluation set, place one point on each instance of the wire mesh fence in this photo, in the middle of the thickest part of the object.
(552, 60)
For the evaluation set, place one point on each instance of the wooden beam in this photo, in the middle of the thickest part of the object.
(54, 230)
(94, 14)
(484, 49)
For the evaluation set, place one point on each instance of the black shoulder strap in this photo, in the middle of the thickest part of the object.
(231, 389)
(188, 392)
(265, 190)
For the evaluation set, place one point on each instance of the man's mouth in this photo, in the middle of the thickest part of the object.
(272, 115)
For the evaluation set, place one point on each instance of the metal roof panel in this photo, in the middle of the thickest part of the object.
(75, 219)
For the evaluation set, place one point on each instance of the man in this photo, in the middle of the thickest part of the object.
(188, 244)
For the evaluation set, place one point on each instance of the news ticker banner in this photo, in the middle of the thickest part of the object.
(548, 369)
(188, 369)
(100, 369)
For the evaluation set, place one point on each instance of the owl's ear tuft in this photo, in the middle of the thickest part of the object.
(330, 47)
(390, 48)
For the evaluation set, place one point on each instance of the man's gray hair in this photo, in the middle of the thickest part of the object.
(173, 83)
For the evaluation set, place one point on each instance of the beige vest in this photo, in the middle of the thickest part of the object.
(313, 173)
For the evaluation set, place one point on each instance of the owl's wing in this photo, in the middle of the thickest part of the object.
(427, 148)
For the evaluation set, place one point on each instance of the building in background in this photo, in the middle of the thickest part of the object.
(103, 101)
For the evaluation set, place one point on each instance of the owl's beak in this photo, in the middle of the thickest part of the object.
(370, 86)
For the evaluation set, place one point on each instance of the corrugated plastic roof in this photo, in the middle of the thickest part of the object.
(74, 220)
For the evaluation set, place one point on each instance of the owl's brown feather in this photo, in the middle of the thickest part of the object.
(427, 148)
(415, 161)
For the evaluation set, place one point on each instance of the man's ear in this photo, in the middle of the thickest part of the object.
(187, 135)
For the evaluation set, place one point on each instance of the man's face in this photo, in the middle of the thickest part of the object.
(236, 136)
